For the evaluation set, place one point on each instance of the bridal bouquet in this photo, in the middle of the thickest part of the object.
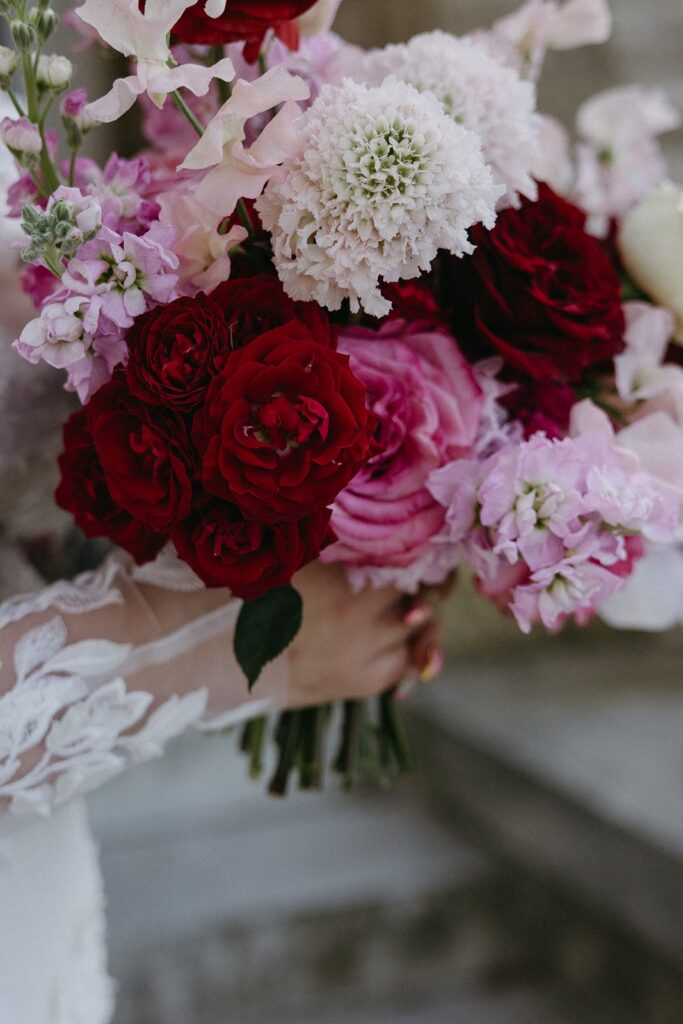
(363, 306)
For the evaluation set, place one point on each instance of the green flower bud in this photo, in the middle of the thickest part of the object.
(44, 22)
(23, 35)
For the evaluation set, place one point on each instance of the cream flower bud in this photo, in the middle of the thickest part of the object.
(8, 61)
(55, 71)
(21, 136)
(651, 247)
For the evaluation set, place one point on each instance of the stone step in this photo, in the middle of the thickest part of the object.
(565, 759)
(510, 1007)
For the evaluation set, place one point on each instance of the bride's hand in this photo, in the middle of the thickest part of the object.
(355, 645)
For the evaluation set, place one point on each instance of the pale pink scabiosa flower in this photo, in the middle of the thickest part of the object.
(552, 527)
(478, 92)
(382, 180)
(428, 405)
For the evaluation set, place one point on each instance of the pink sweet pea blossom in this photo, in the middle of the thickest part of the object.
(233, 171)
(428, 404)
(203, 250)
(144, 36)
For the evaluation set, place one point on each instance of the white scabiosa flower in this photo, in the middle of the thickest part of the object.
(479, 92)
(382, 180)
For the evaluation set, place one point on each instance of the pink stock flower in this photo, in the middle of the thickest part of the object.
(21, 136)
(39, 283)
(125, 272)
(125, 191)
(111, 280)
(549, 525)
(428, 404)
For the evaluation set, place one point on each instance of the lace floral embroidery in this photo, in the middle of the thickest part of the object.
(89, 591)
(73, 700)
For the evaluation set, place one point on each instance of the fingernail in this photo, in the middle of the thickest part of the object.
(417, 616)
(433, 666)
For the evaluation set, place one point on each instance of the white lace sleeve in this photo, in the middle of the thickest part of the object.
(101, 672)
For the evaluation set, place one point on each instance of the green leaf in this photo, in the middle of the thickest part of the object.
(265, 628)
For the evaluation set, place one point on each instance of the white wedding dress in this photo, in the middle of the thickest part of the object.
(97, 674)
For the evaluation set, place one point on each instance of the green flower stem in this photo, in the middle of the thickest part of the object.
(392, 727)
(312, 747)
(183, 107)
(15, 102)
(347, 762)
(50, 177)
(288, 741)
(259, 728)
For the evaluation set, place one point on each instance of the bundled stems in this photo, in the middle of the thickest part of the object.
(372, 746)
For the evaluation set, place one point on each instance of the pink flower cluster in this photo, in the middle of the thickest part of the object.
(113, 278)
(551, 527)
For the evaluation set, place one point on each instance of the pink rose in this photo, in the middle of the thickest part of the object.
(429, 405)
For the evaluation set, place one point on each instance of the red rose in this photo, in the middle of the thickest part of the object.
(539, 291)
(145, 455)
(246, 557)
(285, 426)
(253, 305)
(415, 302)
(242, 21)
(542, 405)
(83, 491)
(173, 349)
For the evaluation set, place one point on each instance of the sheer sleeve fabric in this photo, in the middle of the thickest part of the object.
(99, 673)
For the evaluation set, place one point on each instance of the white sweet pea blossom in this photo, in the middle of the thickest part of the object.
(541, 25)
(641, 373)
(619, 159)
(144, 37)
(235, 172)
(553, 163)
